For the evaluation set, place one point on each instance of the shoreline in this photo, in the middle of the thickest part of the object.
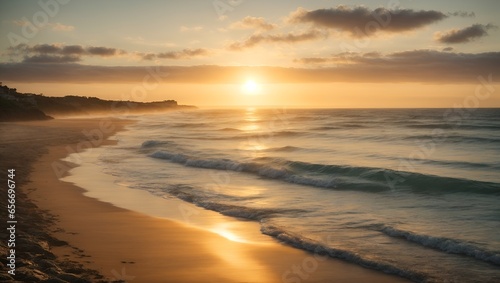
(21, 145)
(126, 245)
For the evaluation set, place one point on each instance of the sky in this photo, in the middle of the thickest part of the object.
(226, 53)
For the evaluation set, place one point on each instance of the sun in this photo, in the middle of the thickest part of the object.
(251, 87)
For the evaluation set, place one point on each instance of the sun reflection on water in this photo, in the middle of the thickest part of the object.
(251, 125)
(250, 128)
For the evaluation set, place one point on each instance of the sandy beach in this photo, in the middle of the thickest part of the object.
(133, 247)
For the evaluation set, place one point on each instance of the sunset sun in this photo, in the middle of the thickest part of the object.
(251, 87)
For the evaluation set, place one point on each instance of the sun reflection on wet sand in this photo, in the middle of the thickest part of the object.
(237, 253)
(223, 230)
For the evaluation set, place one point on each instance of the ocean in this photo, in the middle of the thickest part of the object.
(411, 192)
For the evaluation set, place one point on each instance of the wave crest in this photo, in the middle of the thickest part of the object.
(337, 176)
(321, 249)
(443, 244)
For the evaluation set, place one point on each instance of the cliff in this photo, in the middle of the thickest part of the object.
(16, 106)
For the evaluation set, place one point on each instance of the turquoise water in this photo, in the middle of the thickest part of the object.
(410, 192)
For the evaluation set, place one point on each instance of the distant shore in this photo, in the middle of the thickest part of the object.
(15, 106)
(106, 243)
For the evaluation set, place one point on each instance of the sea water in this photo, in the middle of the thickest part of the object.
(411, 192)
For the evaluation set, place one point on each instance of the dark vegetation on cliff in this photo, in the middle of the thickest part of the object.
(16, 106)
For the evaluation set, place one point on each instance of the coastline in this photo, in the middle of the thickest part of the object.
(126, 245)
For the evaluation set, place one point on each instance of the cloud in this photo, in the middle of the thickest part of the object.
(189, 29)
(57, 53)
(424, 66)
(464, 35)
(66, 49)
(253, 23)
(43, 48)
(175, 55)
(407, 66)
(73, 50)
(61, 27)
(362, 22)
(315, 60)
(54, 26)
(51, 59)
(102, 51)
(463, 14)
(257, 39)
(21, 23)
(183, 54)
(147, 56)
(340, 58)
